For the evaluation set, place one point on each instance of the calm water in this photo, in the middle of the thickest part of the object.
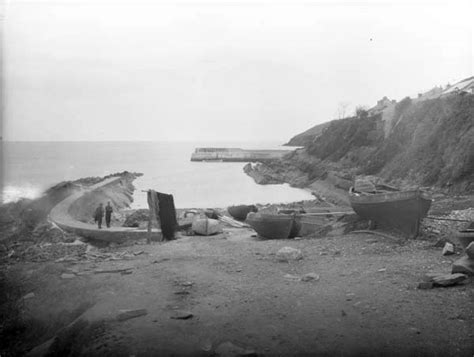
(30, 168)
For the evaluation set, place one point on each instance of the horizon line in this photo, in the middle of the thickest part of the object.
(125, 140)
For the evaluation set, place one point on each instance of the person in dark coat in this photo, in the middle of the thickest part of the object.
(99, 214)
(108, 214)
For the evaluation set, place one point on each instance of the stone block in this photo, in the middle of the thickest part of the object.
(448, 249)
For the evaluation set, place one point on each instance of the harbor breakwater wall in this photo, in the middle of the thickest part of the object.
(237, 155)
(73, 213)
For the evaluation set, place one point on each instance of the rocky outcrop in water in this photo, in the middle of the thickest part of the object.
(262, 174)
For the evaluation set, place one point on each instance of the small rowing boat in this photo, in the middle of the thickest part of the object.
(240, 212)
(274, 226)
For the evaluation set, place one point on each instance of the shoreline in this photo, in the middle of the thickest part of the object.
(229, 286)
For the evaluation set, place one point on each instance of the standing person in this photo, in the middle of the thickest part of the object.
(99, 213)
(108, 214)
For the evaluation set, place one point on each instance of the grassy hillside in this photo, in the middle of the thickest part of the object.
(432, 144)
(308, 136)
(429, 143)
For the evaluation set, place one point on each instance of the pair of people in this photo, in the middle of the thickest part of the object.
(99, 214)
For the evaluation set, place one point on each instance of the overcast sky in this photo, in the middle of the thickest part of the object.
(218, 70)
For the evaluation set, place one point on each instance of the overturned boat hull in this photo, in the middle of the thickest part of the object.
(274, 226)
(401, 210)
(240, 212)
(206, 226)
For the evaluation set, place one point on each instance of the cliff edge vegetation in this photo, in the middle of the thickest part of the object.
(410, 143)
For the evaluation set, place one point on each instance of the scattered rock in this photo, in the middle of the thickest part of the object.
(206, 345)
(448, 249)
(470, 250)
(187, 284)
(130, 314)
(440, 243)
(67, 276)
(445, 279)
(51, 252)
(306, 277)
(286, 254)
(228, 349)
(310, 277)
(48, 232)
(28, 296)
(425, 285)
(181, 315)
(105, 271)
(140, 216)
(464, 265)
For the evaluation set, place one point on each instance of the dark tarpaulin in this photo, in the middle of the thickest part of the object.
(166, 212)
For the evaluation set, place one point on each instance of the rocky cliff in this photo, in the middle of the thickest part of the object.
(411, 143)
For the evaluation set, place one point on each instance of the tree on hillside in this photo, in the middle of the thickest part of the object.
(342, 109)
(361, 112)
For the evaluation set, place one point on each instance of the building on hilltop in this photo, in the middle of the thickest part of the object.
(382, 104)
(464, 86)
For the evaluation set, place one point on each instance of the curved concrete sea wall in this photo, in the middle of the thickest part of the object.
(72, 214)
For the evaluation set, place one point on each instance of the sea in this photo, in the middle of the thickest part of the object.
(29, 168)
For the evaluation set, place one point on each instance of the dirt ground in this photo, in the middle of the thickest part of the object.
(365, 302)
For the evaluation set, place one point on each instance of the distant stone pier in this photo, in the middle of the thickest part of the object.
(236, 155)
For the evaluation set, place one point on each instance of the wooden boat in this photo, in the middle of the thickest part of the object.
(211, 213)
(311, 224)
(465, 237)
(274, 226)
(206, 226)
(291, 211)
(401, 210)
(240, 212)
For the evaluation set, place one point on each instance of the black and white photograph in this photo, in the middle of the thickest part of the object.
(225, 178)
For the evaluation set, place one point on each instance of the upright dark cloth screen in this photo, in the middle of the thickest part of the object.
(167, 215)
